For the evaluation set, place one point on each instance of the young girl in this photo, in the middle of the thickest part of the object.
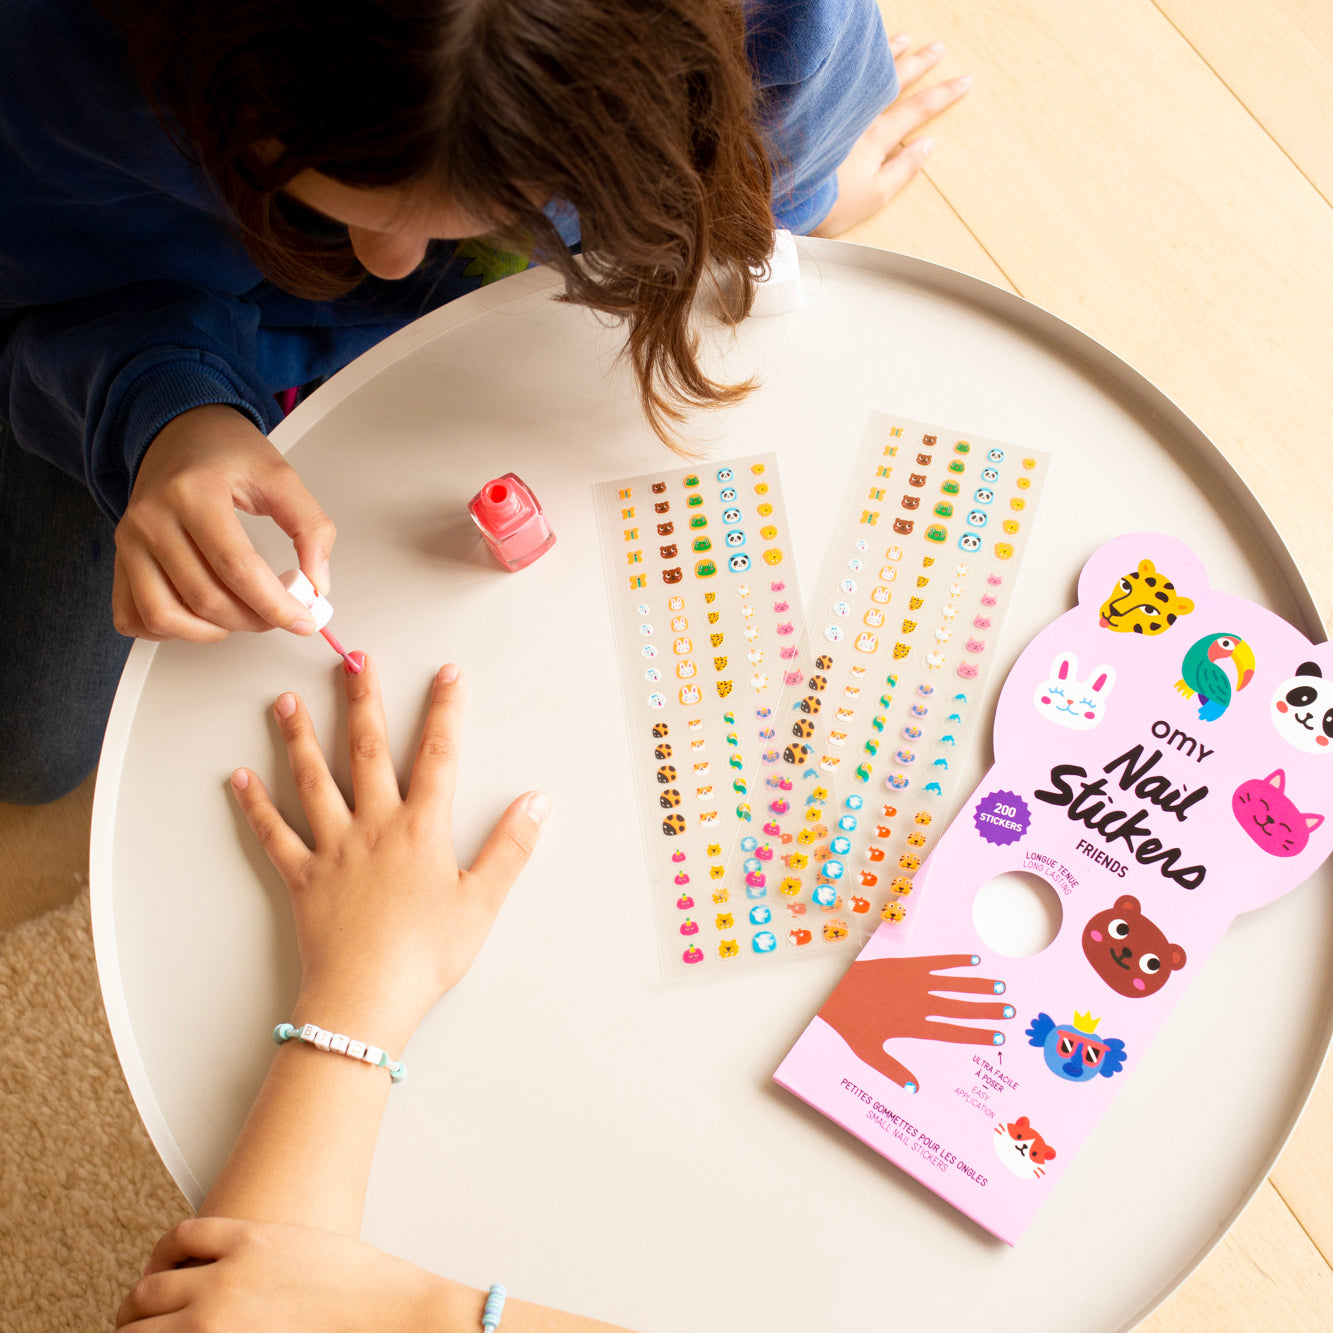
(205, 203)
(386, 922)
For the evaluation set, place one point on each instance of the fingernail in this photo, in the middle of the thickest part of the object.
(927, 146)
(900, 37)
(286, 705)
(935, 46)
(1008, 1010)
(325, 578)
(538, 808)
(963, 81)
(354, 663)
(240, 779)
(998, 1038)
(909, 1087)
(302, 626)
(449, 673)
(999, 988)
(975, 960)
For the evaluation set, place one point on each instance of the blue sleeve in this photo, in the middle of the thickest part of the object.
(88, 384)
(824, 72)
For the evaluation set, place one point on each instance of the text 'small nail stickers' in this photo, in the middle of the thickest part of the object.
(708, 627)
(853, 789)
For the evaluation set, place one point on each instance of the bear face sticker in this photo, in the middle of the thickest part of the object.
(1129, 952)
(665, 529)
(903, 526)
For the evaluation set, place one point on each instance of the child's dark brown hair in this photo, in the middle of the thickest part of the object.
(637, 113)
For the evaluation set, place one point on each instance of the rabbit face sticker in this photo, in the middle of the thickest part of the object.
(1069, 702)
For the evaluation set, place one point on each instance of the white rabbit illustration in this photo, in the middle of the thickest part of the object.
(1069, 702)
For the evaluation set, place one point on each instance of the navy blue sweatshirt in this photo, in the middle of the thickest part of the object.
(125, 298)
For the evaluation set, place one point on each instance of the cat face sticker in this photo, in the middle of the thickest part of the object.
(1022, 1149)
(1271, 817)
(1303, 710)
(1074, 1051)
(1129, 952)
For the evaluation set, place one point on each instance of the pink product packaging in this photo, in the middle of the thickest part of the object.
(1164, 759)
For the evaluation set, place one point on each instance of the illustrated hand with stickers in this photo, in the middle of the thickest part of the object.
(883, 998)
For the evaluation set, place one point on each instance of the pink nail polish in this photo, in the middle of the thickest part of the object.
(511, 521)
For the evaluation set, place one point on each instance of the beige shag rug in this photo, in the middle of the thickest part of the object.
(83, 1196)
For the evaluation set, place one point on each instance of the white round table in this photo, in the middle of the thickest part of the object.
(573, 1126)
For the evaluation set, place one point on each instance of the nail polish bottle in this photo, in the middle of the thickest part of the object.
(511, 521)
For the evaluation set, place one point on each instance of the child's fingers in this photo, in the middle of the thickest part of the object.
(909, 114)
(435, 770)
(900, 168)
(510, 845)
(318, 793)
(298, 514)
(124, 613)
(287, 852)
(374, 783)
(195, 1238)
(899, 43)
(912, 67)
(160, 1294)
(214, 528)
(933, 1031)
(158, 605)
(198, 587)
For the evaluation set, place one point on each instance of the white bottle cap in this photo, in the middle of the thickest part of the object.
(303, 590)
(781, 291)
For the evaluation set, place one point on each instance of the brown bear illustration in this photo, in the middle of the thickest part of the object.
(903, 526)
(1129, 952)
(911, 501)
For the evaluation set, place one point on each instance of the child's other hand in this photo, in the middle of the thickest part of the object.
(184, 567)
(259, 1276)
(386, 921)
(880, 163)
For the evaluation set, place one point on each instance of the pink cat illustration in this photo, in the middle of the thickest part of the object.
(1270, 816)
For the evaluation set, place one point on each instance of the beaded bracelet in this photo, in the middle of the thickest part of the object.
(324, 1040)
(495, 1304)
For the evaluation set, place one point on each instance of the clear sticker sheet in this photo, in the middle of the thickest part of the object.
(708, 627)
(915, 586)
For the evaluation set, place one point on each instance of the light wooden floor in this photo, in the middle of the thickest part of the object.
(1160, 175)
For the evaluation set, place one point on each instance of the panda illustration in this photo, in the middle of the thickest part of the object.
(1303, 710)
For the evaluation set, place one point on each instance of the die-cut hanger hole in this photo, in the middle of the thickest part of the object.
(1017, 914)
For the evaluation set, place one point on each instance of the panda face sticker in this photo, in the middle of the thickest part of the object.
(727, 496)
(735, 538)
(976, 518)
(725, 474)
(970, 542)
(731, 516)
(738, 563)
(984, 495)
(990, 475)
(995, 456)
(1303, 710)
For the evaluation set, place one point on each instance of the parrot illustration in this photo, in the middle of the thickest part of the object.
(1203, 675)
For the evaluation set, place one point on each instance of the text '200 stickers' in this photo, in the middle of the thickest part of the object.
(708, 627)
(902, 631)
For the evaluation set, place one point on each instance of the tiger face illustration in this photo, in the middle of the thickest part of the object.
(1143, 602)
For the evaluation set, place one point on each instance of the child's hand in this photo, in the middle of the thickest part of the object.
(386, 921)
(258, 1276)
(184, 567)
(880, 163)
